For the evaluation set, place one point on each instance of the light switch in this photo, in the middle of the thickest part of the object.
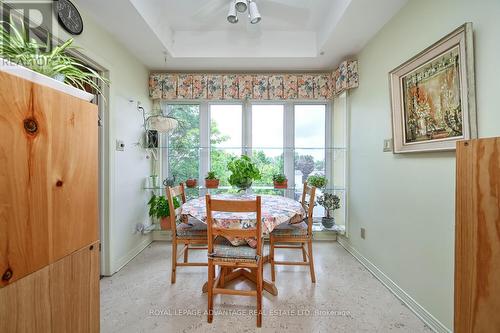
(120, 145)
(388, 145)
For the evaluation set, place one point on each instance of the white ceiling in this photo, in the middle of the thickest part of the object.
(294, 35)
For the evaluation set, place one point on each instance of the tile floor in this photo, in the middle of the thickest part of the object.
(345, 298)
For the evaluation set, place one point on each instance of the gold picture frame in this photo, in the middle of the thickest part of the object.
(433, 97)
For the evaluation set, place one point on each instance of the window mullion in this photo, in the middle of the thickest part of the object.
(204, 149)
(289, 150)
(247, 129)
(329, 153)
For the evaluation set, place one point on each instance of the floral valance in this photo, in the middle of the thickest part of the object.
(320, 86)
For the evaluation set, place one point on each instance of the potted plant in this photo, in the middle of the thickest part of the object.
(330, 202)
(317, 181)
(158, 208)
(18, 48)
(243, 172)
(280, 180)
(211, 180)
(191, 182)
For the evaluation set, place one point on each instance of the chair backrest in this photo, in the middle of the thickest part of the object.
(234, 206)
(308, 206)
(175, 192)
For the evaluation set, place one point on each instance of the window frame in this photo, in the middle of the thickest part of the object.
(288, 135)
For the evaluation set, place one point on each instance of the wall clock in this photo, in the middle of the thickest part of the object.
(69, 17)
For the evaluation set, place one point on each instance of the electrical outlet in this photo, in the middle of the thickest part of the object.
(363, 233)
(387, 145)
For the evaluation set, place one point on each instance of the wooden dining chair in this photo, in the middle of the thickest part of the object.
(295, 236)
(228, 257)
(184, 231)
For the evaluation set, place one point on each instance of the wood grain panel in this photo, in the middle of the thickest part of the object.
(74, 292)
(477, 242)
(24, 189)
(74, 171)
(25, 306)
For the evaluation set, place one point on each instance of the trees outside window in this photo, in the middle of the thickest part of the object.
(267, 144)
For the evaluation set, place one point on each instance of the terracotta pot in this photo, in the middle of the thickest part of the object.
(165, 223)
(191, 183)
(211, 183)
(281, 185)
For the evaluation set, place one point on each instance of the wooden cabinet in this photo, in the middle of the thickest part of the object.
(477, 238)
(62, 297)
(49, 175)
(73, 172)
(25, 305)
(24, 181)
(74, 291)
(49, 257)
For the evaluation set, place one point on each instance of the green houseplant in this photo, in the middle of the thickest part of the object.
(243, 172)
(280, 180)
(317, 181)
(211, 180)
(18, 48)
(158, 209)
(330, 202)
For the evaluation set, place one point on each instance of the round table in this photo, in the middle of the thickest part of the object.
(275, 210)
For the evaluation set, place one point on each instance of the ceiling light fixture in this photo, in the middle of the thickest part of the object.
(231, 15)
(253, 13)
(241, 6)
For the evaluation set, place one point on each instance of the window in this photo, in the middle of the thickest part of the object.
(183, 143)
(310, 128)
(297, 139)
(339, 156)
(226, 138)
(267, 140)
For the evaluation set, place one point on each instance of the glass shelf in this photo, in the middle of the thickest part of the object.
(230, 188)
(244, 148)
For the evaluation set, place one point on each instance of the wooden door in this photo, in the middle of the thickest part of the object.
(25, 305)
(74, 292)
(24, 188)
(477, 238)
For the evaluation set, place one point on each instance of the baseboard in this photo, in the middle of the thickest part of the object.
(419, 310)
(132, 253)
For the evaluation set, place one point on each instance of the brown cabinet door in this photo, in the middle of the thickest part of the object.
(24, 186)
(48, 176)
(25, 305)
(74, 171)
(74, 292)
(477, 237)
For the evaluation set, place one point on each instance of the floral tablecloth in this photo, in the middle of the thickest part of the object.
(275, 210)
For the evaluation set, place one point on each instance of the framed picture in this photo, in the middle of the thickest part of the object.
(433, 96)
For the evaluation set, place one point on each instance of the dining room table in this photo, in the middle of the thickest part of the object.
(275, 210)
